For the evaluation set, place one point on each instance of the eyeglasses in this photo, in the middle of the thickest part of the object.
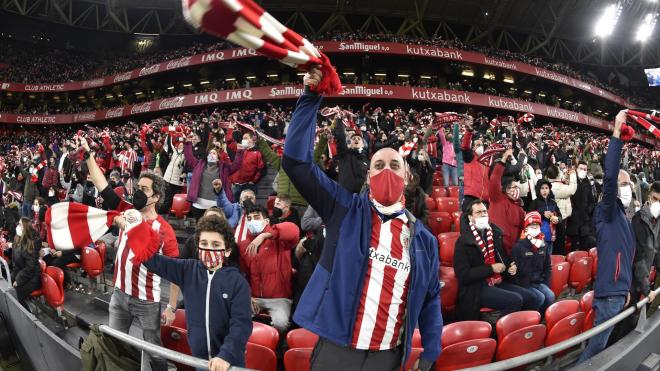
(480, 212)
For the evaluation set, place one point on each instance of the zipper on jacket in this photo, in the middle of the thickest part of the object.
(617, 270)
(209, 276)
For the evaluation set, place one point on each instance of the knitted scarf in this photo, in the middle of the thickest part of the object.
(488, 250)
(537, 242)
(34, 175)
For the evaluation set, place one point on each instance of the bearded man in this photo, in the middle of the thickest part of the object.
(377, 278)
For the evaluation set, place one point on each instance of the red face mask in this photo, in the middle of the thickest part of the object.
(211, 258)
(386, 187)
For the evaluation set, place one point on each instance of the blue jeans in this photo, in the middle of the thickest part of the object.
(544, 295)
(504, 298)
(26, 210)
(606, 308)
(449, 172)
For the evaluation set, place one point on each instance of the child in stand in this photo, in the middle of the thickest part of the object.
(546, 206)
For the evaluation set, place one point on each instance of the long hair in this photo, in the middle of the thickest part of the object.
(27, 240)
(215, 223)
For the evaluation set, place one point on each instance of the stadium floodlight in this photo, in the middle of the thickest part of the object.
(403, 75)
(380, 74)
(508, 80)
(468, 73)
(203, 82)
(606, 23)
(645, 29)
(425, 77)
(349, 73)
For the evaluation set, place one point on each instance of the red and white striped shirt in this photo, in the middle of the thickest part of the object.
(383, 301)
(127, 159)
(240, 233)
(137, 280)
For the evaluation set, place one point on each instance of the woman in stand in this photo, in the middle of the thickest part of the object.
(26, 274)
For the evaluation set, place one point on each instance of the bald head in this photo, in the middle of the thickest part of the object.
(388, 158)
(624, 178)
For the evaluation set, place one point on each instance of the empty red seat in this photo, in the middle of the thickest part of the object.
(175, 337)
(448, 288)
(516, 321)
(525, 340)
(559, 277)
(565, 328)
(52, 287)
(461, 331)
(456, 221)
(555, 259)
(466, 354)
(430, 204)
(580, 275)
(439, 222)
(447, 241)
(574, 256)
(297, 359)
(180, 206)
(559, 310)
(586, 301)
(447, 204)
(91, 261)
(438, 192)
(301, 338)
(593, 252)
(452, 191)
(259, 357)
(264, 335)
(589, 320)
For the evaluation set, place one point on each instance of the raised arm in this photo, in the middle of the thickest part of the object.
(189, 156)
(340, 136)
(272, 159)
(169, 268)
(466, 147)
(612, 160)
(98, 178)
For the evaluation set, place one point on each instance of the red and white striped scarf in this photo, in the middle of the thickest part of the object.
(34, 175)
(406, 148)
(245, 23)
(488, 250)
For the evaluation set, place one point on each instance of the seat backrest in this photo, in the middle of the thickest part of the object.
(557, 259)
(586, 301)
(430, 204)
(522, 341)
(301, 338)
(180, 319)
(91, 261)
(565, 329)
(447, 204)
(515, 321)
(102, 249)
(259, 357)
(575, 255)
(438, 191)
(58, 275)
(297, 359)
(42, 266)
(589, 320)
(581, 271)
(264, 335)
(461, 331)
(180, 206)
(447, 243)
(559, 310)
(593, 252)
(51, 291)
(466, 354)
(176, 339)
(452, 191)
(439, 222)
(559, 277)
(448, 288)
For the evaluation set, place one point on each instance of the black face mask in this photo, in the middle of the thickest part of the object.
(248, 204)
(277, 212)
(139, 200)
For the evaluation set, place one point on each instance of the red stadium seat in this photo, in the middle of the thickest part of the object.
(91, 261)
(573, 256)
(430, 204)
(301, 338)
(515, 321)
(61, 194)
(522, 341)
(447, 204)
(456, 221)
(559, 277)
(452, 191)
(438, 191)
(180, 206)
(412, 358)
(581, 271)
(259, 357)
(439, 222)
(593, 252)
(461, 331)
(560, 310)
(42, 266)
(557, 259)
(264, 335)
(565, 328)
(589, 320)
(447, 242)
(52, 288)
(73, 265)
(297, 359)
(466, 354)
(448, 289)
(175, 337)
(102, 249)
(586, 301)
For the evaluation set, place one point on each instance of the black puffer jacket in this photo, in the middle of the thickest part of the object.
(353, 164)
(579, 224)
(647, 240)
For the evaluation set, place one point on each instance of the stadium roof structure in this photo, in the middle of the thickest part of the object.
(556, 29)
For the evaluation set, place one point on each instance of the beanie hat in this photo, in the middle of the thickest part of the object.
(533, 217)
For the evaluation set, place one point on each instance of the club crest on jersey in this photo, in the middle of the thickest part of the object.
(405, 237)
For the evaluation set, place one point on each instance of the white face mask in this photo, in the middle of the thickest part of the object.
(51, 193)
(19, 230)
(533, 231)
(514, 162)
(539, 175)
(245, 143)
(479, 150)
(582, 174)
(481, 222)
(256, 226)
(35, 208)
(655, 209)
(625, 194)
(637, 208)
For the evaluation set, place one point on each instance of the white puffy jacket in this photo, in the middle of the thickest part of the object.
(563, 193)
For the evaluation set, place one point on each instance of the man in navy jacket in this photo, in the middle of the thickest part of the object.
(374, 250)
(616, 243)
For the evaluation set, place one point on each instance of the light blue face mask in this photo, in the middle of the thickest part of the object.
(256, 226)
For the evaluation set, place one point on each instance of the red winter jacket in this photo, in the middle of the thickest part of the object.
(475, 174)
(51, 178)
(504, 212)
(250, 171)
(269, 272)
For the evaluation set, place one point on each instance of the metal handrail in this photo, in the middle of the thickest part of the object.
(549, 351)
(150, 348)
(4, 263)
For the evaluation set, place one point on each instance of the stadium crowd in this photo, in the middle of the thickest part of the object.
(528, 189)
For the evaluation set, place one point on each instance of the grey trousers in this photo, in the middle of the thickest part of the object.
(328, 356)
(124, 309)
